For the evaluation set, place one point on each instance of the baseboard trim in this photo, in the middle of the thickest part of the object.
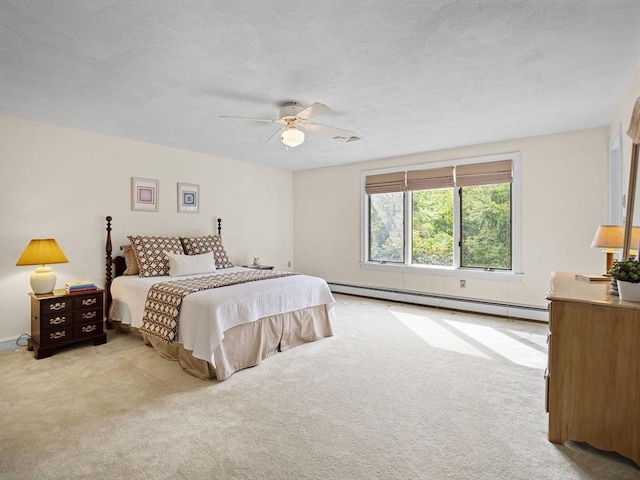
(9, 343)
(527, 312)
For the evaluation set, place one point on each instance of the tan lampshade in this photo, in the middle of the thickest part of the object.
(612, 236)
(41, 251)
(608, 236)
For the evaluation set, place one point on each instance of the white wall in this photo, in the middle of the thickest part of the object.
(61, 183)
(564, 199)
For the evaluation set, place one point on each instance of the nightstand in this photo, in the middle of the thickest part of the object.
(259, 267)
(60, 318)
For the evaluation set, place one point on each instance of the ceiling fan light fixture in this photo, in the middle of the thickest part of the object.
(292, 137)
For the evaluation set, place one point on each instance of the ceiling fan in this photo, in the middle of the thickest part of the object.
(294, 117)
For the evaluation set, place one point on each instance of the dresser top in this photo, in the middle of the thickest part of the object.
(61, 292)
(564, 286)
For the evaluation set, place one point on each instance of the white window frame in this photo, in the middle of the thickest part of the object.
(516, 224)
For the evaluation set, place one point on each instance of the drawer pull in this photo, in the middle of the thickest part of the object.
(57, 320)
(92, 314)
(57, 306)
(56, 335)
(89, 301)
(89, 328)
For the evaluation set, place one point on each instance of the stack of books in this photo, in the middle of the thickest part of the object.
(585, 277)
(79, 286)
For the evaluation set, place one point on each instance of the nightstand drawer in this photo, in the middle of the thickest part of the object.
(56, 320)
(55, 305)
(55, 335)
(89, 315)
(94, 300)
(87, 329)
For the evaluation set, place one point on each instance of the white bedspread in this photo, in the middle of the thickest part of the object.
(206, 315)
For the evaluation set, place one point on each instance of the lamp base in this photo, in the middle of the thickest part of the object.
(43, 280)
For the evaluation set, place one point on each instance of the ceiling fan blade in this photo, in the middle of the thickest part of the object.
(252, 119)
(316, 127)
(313, 110)
(276, 133)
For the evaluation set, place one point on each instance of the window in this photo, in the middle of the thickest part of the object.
(386, 228)
(432, 227)
(485, 229)
(455, 215)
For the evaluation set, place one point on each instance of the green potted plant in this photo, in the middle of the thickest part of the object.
(627, 274)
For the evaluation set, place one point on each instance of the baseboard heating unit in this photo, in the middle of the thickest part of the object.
(527, 312)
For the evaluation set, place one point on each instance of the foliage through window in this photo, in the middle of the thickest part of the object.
(386, 227)
(459, 216)
(486, 226)
(432, 227)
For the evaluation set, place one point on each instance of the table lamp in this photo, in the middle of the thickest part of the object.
(42, 251)
(610, 238)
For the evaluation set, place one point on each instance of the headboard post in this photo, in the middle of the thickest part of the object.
(219, 226)
(108, 270)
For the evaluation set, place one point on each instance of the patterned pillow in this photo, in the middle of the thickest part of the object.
(150, 254)
(210, 243)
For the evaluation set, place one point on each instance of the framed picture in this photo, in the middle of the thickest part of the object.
(188, 198)
(144, 194)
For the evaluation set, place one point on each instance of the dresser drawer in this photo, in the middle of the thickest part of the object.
(55, 336)
(87, 329)
(87, 315)
(86, 301)
(55, 305)
(56, 320)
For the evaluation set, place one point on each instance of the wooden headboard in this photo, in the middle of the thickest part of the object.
(117, 265)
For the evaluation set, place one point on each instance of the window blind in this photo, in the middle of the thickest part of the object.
(386, 183)
(429, 179)
(474, 174)
(484, 173)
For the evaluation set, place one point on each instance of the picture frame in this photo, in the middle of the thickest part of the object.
(188, 198)
(144, 194)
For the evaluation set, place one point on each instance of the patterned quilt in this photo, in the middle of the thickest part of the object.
(162, 306)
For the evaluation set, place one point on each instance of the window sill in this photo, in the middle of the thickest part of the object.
(497, 275)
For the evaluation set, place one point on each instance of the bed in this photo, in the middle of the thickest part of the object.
(246, 317)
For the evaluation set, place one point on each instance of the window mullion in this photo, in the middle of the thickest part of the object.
(457, 227)
(408, 228)
(366, 245)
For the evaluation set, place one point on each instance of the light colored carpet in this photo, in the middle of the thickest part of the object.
(400, 392)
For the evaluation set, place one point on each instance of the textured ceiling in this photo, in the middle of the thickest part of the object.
(407, 76)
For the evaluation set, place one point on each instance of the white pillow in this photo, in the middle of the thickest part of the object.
(180, 265)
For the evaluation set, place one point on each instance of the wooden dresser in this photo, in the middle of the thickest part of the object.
(593, 374)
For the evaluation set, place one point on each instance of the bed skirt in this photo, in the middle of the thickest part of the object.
(248, 344)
